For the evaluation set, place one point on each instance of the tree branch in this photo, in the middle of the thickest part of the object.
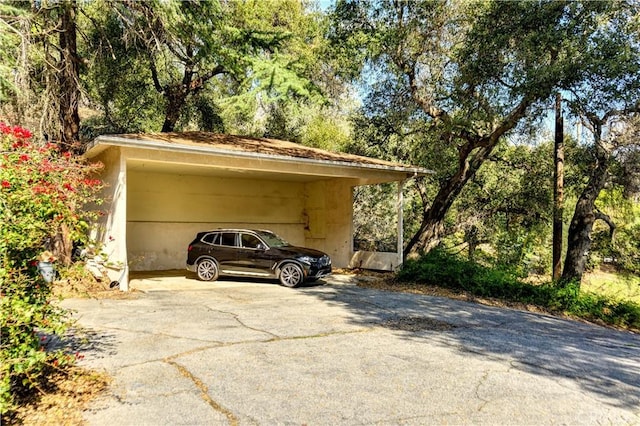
(199, 82)
(607, 219)
(154, 76)
(428, 107)
(509, 122)
(618, 112)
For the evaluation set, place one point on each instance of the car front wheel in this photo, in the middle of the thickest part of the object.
(291, 275)
(207, 270)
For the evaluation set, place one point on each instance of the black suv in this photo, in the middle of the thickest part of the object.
(254, 253)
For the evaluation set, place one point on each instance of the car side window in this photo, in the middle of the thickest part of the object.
(228, 239)
(250, 241)
(211, 238)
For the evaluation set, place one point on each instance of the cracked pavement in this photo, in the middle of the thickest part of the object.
(255, 353)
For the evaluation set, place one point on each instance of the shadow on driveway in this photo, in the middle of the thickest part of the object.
(601, 360)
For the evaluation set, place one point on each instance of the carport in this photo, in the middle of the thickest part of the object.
(163, 188)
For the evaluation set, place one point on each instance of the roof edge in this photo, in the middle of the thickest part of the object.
(102, 142)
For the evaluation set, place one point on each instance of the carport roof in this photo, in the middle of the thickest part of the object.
(244, 146)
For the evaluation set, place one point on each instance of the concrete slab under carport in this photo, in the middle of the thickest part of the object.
(182, 280)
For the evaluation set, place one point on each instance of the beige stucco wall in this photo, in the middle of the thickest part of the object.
(329, 211)
(110, 232)
(165, 212)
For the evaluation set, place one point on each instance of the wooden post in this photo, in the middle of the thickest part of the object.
(400, 213)
(558, 190)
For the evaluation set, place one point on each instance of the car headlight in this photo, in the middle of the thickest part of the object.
(306, 259)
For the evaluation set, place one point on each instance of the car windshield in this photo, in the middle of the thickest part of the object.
(272, 239)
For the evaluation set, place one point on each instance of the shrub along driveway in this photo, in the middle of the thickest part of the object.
(185, 352)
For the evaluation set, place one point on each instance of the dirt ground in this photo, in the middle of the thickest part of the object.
(62, 400)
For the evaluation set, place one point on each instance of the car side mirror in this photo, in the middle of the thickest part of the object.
(261, 246)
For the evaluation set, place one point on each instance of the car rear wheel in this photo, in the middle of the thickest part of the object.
(291, 275)
(207, 270)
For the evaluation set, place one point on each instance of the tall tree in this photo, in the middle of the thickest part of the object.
(288, 91)
(586, 211)
(68, 74)
(187, 46)
(116, 80)
(147, 66)
(606, 100)
(474, 70)
(47, 67)
(184, 45)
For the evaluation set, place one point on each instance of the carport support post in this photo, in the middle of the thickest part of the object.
(400, 208)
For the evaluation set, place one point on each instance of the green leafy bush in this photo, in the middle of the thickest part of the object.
(41, 193)
(627, 248)
(440, 268)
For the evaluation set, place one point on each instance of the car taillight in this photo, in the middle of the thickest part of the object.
(190, 247)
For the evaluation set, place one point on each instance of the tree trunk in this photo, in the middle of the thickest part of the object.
(428, 236)
(63, 246)
(176, 97)
(471, 237)
(579, 239)
(68, 78)
(170, 119)
(175, 102)
(69, 96)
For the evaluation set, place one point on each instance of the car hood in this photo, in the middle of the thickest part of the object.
(293, 251)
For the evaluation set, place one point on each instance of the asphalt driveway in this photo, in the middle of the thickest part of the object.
(190, 353)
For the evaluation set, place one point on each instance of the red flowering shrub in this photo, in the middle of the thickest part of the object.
(42, 193)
